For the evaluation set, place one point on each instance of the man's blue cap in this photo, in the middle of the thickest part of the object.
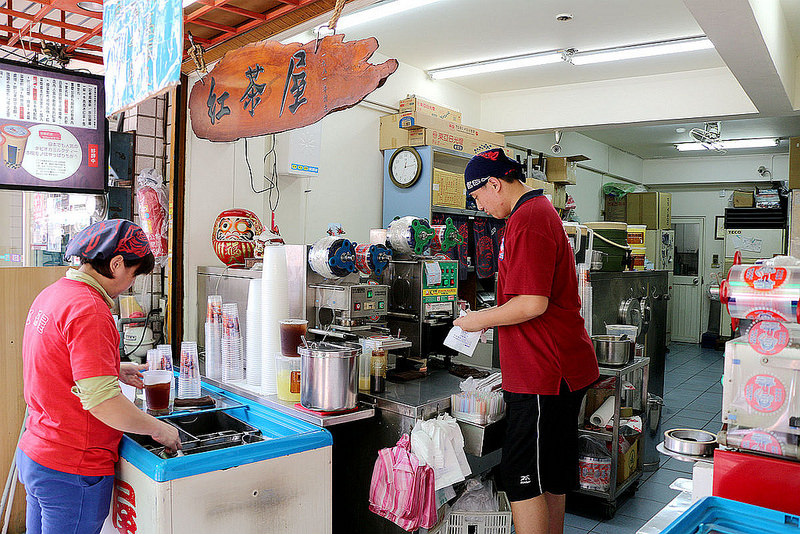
(105, 239)
(492, 162)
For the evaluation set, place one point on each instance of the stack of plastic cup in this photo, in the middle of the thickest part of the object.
(165, 363)
(232, 353)
(213, 331)
(252, 343)
(189, 378)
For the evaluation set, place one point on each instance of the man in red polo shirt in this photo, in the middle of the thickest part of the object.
(546, 355)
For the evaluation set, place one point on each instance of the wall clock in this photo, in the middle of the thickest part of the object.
(405, 167)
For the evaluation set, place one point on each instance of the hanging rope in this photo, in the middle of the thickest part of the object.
(337, 12)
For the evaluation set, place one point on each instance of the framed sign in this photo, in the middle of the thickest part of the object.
(719, 227)
(53, 133)
(270, 87)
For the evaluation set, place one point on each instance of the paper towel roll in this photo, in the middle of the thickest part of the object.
(274, 308)
(602, 417)
(253, 333)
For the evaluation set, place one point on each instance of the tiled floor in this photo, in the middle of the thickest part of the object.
(692, 398)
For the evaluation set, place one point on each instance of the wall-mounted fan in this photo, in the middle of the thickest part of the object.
(708, 136)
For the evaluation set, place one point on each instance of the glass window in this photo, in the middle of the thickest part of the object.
(687, 249)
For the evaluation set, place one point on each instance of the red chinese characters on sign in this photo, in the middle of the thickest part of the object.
(93, 156)
(765, 277)
(124, 510)
(269, 87)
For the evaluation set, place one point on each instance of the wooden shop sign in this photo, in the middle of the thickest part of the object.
(269, 87)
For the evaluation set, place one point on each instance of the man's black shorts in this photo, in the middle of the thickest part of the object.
(540, 451)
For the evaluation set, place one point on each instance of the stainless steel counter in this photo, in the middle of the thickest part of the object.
(419, 399)
(272, 401)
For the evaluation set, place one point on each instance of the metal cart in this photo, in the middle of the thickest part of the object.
(636, 373)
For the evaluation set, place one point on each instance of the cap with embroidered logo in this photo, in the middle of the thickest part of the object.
(491, 163)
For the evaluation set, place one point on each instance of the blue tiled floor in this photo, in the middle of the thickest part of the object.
(692, 398)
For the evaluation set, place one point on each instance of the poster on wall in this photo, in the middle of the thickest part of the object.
(270, 87)
(142, 50)
(52, 130)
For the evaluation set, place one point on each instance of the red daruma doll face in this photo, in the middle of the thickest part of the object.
(234, 235)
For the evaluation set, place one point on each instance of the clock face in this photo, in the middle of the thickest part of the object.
(405, 167)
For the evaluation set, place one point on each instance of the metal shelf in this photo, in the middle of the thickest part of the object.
(638, 363)
(459, 211)
(606, 436)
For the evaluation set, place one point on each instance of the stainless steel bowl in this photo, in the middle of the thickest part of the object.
(690, 442)
(329, 376)
(614, 351)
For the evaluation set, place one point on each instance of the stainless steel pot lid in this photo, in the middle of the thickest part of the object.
(326, 349)
(690, 442)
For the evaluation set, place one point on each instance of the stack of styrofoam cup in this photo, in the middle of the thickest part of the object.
(252, 333)
(274, 308)
(232, 361)
(189, 378)
(213, 331)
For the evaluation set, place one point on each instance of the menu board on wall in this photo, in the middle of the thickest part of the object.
(52, 130)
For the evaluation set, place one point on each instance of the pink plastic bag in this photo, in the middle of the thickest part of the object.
(401, 490)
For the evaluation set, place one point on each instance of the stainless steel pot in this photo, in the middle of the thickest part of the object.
(613, 351)
(329, 376)
(690, 442)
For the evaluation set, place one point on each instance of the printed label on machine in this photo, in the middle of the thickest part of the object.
(433, 273)
(768, 337)
(765, 277)
(439, 292)
(764, 393)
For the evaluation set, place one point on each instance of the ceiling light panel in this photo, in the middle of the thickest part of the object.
(495, 65)
(767, 142)
(641, 51)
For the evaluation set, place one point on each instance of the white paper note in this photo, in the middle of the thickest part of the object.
(461, 341)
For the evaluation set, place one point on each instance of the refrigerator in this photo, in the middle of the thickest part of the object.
(754, 244)
(660, 249)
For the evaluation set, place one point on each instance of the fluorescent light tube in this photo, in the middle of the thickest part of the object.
(640, 51)
(494, 65)
(383, 9)
(764, 142)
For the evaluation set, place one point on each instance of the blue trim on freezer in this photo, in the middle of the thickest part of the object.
(284, 435)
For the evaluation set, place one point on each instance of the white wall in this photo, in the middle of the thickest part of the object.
(702, 187)
(676, 95)
(715, 169)
(349, 189)
(605, 164)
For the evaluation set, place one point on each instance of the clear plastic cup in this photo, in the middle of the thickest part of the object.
(288, 376)
(157, 388)
(292, 332)
(189, 377)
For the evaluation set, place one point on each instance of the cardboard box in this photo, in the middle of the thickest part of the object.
(615, 209)
(794, 163)
(562, 170)
(420, 106)
(549, 189)
(413, 121)
(743, 199)
(392, 136)
(560, 196)
(627, 463)
(651, 209)
(794, 229)
(447, 189)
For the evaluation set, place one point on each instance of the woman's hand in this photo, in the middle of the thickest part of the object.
(471, 322)
(131, 374)
(167, 435)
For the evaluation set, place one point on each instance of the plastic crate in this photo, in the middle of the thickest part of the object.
(483, 522)
(725, 515)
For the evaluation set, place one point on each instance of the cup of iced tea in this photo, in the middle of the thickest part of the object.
(157, 385)
(291, 332)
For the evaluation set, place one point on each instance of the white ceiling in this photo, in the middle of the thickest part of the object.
(450, 32)
(657, 141)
